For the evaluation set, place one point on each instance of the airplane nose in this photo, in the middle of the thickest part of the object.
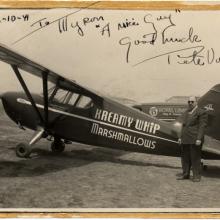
(9, 100)
(2, 96)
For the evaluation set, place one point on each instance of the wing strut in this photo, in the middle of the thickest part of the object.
(45, 93)
(27, 92)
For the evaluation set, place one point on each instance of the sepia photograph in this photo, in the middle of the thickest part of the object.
(109, 109)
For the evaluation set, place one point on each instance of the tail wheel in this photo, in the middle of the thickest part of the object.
(204, 167)
(23, 150)
(57, 146)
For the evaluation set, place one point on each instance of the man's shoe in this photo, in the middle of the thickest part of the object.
(196, 179)
(179, 174)
(185, 177)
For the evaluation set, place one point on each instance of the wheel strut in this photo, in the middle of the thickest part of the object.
(23, 150)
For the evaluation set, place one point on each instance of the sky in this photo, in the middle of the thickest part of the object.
(138, 55)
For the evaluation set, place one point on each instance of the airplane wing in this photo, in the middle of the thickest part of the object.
(18, 61)
(15, 59)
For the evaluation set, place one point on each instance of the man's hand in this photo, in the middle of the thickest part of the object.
(179, 141)
(198, 142)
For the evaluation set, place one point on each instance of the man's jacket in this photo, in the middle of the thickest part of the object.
(194, 124)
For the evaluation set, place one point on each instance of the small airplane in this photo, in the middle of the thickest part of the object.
(68, 112)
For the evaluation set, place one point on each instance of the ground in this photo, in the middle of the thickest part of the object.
(94, 177)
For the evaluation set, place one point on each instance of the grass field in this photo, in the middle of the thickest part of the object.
(94, 177)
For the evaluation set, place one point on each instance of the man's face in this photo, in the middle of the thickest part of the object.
(192, 104)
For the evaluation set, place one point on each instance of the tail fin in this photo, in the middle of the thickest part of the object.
(211, 102)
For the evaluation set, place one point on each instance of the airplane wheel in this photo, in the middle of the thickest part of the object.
(23, 150)
(57, 146)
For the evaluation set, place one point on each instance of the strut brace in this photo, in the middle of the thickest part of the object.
(27, 92)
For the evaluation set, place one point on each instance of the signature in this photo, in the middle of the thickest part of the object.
(198, 55)
(194, 57)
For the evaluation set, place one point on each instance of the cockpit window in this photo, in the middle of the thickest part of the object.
(84, 102)
(50, 90)
(70, 99)
(61, 96)
(73, 98)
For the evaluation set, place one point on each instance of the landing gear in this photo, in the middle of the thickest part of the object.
(23, 150)
(57, 146)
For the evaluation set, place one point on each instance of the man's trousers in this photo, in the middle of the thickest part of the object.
(191, 157)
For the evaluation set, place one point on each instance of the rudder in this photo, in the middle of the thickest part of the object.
(211, 102)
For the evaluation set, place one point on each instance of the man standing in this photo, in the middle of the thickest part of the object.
(194, 121)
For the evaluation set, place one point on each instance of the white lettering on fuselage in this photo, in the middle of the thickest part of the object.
(113, 118)
(121, 136)
(149, 127)
(126, 121)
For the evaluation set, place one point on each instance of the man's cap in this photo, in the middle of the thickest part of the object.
(192, 98)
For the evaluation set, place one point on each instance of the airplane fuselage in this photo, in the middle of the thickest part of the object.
(106, 123)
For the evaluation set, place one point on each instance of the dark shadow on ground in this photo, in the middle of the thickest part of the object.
(99, 156)
(42, 162)
(212, 172)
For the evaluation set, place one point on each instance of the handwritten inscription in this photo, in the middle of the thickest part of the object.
(161, 36)
(42, 22)
(14, 18)
(186, 47)
(127, 23)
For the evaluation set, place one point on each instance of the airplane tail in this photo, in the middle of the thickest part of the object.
(211, 102)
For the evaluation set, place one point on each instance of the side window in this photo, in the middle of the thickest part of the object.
(84, 102)
(74, 97)
(61, 96)
(66, 99)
